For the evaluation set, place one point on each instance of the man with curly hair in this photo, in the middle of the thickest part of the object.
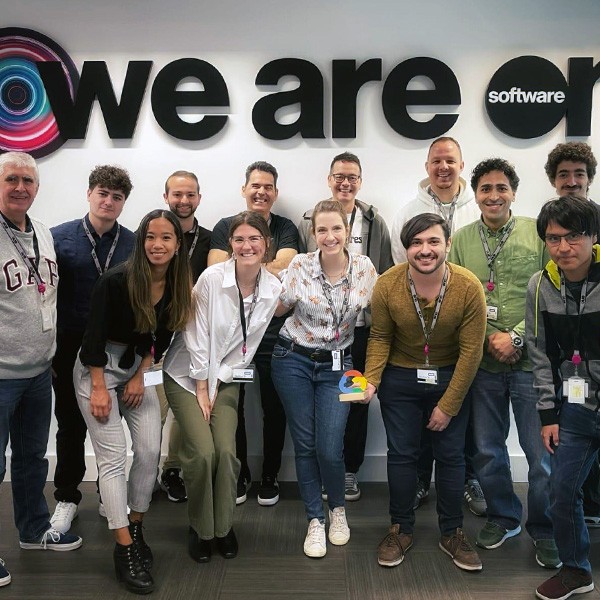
(85, 248)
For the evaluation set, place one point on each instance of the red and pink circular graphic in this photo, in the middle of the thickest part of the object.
(27, 123)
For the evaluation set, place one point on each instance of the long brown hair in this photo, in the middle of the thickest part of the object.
(178, 279)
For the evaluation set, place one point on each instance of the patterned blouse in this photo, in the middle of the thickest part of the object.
(320, 309)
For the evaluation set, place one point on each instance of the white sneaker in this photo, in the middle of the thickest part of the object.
(63, 516)
(315, 545)
(339, 532)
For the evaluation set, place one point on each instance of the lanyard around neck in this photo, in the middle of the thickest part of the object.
(491, 256)
(31, 263)
(246, 325)
(441, 206)
(436, 311)
(327, 287)
(196, 236)
(90, 237)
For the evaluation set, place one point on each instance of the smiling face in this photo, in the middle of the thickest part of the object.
(494, 197)
(183, 196)
(427, 250)
(344, 191)
(18, 188)
(248, 246)
(572, 179)
(330, 233)
(105, 204)
(161, 242)
(444, 166)
(260, 192)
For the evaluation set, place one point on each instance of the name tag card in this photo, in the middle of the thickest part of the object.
(428, 375)
(492, 313)
(243, 374)
(336, 359)
(576, 390)
(152, 377)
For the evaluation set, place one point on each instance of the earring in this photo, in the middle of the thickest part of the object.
(176, 252)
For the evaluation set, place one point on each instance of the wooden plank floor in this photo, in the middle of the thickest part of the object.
(271, 564)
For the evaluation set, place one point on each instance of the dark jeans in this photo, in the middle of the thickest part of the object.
(25, 411)
(274, 422)
(425, 464)
(70, 436)
(591, 491)
(355, 437)
(404, 405)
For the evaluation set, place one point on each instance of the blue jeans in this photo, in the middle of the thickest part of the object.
(317, 421)
(404, 405)
(579, 436)
(25, 411)
(492, 393)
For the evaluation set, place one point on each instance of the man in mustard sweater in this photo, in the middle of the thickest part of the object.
(425, 347)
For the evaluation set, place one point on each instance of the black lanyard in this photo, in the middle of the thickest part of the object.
(491, 256)
(352, 217)
(327, 287)
(576, 358)
(436, 312)
(93, 243)
(242, 312)
(31, 263)
(196, 236)
(441, 206)
(159, 311)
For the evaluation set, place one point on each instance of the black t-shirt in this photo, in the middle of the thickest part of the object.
(284, 232)
(111, 318)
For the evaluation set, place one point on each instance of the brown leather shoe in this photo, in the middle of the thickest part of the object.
(393, 547)
(460, 550)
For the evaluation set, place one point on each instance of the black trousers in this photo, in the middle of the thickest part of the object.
(274, 421)
(355, 436)
(70, 437)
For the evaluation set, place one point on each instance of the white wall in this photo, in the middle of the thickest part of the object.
(472, 37)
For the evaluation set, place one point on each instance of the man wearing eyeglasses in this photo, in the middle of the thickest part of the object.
(260, 192)
(562, 324)
(504, 251)
(369, 235)
(444, 192)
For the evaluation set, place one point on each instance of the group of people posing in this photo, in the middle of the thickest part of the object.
(483, 309)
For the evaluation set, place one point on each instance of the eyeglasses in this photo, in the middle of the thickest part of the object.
(572, 238)
(253, 239)
(340, 177)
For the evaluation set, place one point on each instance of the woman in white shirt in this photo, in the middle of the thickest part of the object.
(233, 303)
(327, 290)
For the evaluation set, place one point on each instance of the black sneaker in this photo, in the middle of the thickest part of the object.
(268, 493)
(242, 490)
(171, 482)
(421, 495)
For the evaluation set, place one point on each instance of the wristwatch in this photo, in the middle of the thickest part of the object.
(516, 339)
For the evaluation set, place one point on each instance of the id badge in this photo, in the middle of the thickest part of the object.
(492, 313)
(153, 376)
(576, 389)
(46, 318)
(427, 374)
(243, 373)
(336, 359)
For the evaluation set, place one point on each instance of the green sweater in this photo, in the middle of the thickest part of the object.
(397, 337)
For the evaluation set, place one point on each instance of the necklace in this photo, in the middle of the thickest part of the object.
(337, 275)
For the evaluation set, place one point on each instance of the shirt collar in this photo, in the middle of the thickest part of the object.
(502, 229)
(315, 267)
(110, 233)
(28, 224)
(264, 288)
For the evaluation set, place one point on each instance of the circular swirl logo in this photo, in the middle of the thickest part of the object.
(27, 123)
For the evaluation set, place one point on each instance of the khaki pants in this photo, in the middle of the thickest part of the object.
(210, 467)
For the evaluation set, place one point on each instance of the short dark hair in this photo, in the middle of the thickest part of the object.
(571, 212)
(254, 219)
(444, 138)
(495, 164)
(265, 167)
(575, 152)
(345, 157)
(186, 174)
(111, 177)
(420, 223)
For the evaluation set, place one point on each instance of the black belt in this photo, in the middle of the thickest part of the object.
(316, 354)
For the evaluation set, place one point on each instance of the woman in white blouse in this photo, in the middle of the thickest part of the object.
(327, 290)
(233, 304)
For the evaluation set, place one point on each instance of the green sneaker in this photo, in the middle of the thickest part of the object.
(546, 554)
(493, 535)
